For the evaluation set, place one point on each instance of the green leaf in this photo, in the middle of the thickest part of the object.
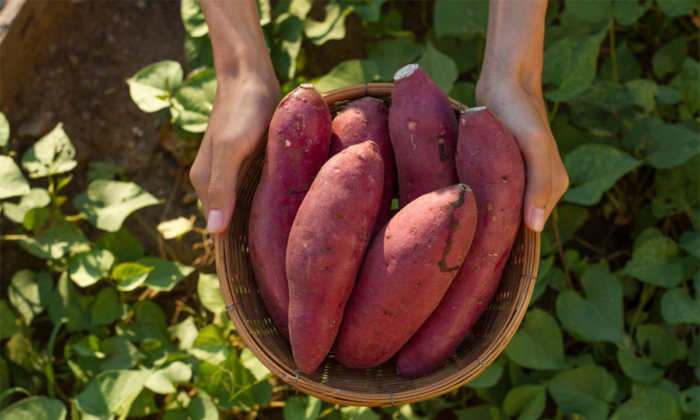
(144, 405)
(590, 11)
(4, 131)
(8, 321)
(120, 354)
(199, 52)
(628, 12)
(108, 203)
(609, 96)
(30, 292)
(52, 154)
(302, 408)
(526, 401)
(538, 344)
(690, 243)
(460, 17)
(165, 275)
(88, 267)
(652, 262)
(358, 413)
(254, 365)
(60, 238)
(628, 67)
(210, 294)
(12, 182)
(676, 189)
(392, 54)
(690, 400)
(122, 244)
(678, 307)
(210, 345)
(36, 198)
(643, 93)
(669, 58)
(88, 346)
(367, 10)
(264, 11)
(152, 87)
(67, 303)
(649, 404)
(599, 316)
(464, 92)
(347, 73)
(185, 333)
(668, 95)
(194, 101)
(690, 83)
(193, 18)
(35, 408)
(298, 8)
(488, 378)
(163, 380)
(202, 409)
(479, 412)
(440, 67)
(286, 46)
(637, 367)
(570, 64)
(676, 8)
(112, 393)
(175, 228)
(664, 347)
(103, 170)
(21, 351)
(130, 275)
(593, 169)
(150, 322)
(586, 391)
(675, 145)
(332, 27)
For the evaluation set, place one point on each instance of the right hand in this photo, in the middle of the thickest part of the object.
(243, 108)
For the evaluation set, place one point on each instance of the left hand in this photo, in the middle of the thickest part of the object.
(523, 111)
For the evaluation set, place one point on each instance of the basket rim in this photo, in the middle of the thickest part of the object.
(353, 398)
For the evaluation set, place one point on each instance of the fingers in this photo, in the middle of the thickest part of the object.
(536, 150)
(221, 191)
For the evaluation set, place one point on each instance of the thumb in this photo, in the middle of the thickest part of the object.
(222, 188)
(538, 190)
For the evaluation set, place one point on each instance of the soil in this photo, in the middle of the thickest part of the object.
(78, 78)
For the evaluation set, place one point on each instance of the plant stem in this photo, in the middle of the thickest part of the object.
(646, 295)
(553, 113)
(155, 234)
(13, 237)
(51, 385)
(560, 247)
(6, 393)
(613, 55)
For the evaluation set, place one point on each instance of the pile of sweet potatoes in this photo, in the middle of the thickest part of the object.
(336, 271)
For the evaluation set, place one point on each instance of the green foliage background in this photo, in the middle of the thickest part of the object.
(612, 331)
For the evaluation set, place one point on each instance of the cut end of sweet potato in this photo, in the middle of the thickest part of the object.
(475, 109)
(306, 86)
(465, 187)
(406, 71)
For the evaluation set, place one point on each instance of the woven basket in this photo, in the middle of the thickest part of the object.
(379, 386)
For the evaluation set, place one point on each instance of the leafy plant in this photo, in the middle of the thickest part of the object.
(612, 329)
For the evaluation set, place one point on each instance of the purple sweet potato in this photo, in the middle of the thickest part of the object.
(489, 160)
(424, 131)
(297, 148)
(407, 270)
(362, 120)
(326, 246)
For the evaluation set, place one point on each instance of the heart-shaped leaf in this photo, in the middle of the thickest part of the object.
(30, 292)
(653, 262)
(586, 391)
(108, 203)
(152, 87)
(87, 268)
(648, 404)
(52, 154)
(678, 307)
(36, 198)
(538, 344)
(35, 408)
(527, 402)
(12, 182)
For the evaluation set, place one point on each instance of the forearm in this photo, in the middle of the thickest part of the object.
(237, 39)
(514, 43)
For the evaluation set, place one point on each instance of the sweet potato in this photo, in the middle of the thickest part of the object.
(424, 132)
(297, 147)
(408, 268)
(362, 120)
(326, 246)
(489, 160)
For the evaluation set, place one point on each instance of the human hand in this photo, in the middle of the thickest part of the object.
(524, 113)
(243, 108)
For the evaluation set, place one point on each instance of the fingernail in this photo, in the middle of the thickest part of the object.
(215, 221)
(537, 219)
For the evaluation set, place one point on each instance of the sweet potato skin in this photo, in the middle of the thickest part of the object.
(297, 147)
(489, 160)
(424, 131)
(362, 120)
(408, 268)
(326, 246)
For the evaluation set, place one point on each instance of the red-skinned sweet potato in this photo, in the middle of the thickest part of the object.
(407, 270)
(362, 120)
(424, 131)
(297, 147)
(326, 246)
(489, 160)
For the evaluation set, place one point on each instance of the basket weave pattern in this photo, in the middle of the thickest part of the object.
(379, 386)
